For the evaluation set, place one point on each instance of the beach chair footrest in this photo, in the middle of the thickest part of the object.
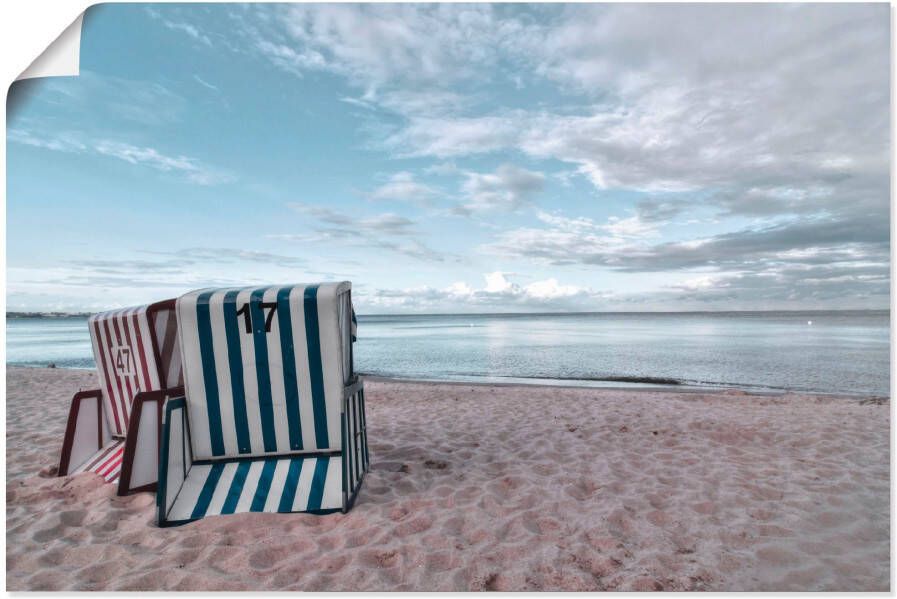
(106, 462)
(281, 484)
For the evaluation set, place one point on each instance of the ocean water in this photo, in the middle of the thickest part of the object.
(840, 352)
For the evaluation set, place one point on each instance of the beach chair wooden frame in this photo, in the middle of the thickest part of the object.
(272, 418)
(114, 430)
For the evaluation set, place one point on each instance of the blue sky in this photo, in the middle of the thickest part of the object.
(460, 158)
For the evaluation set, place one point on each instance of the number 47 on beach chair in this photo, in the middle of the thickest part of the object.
(272, 418)
(114, 430)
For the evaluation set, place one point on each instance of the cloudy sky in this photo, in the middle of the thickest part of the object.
(461, 158)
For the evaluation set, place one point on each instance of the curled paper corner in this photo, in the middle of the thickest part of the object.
(62, 58)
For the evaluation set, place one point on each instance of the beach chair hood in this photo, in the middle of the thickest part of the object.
(264, 369)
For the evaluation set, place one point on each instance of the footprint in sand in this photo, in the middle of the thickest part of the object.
(72, 517)
(269, 557)
(415, 526)
(582, 490)
(705, 507)
(660, 518)
(380, 558)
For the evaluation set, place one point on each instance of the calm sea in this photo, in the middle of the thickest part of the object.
(834, 352)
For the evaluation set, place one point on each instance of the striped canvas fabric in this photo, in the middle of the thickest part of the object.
(265, 485)
(106, 463)
(264, 368)
(122, 343)
(165, 327)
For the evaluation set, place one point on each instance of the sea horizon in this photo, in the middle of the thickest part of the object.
(53, 314)
(843, 352)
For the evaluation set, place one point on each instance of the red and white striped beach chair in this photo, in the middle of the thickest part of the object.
(273, 414)
(114, 430)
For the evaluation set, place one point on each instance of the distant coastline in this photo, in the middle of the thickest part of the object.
(17, 315)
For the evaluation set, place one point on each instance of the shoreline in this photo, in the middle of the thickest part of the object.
(630, 388)
(611, 383)
(489, 487)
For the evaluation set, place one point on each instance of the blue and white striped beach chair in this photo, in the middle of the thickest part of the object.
(273, 414)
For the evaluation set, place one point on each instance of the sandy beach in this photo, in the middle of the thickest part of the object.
(496, 488)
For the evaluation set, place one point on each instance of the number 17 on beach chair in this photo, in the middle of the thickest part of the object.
(114, 430)
(272, 418)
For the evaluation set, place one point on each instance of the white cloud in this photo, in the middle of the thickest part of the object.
(508, 188)
(499, 293)
(205, 83)
(702, 283)
(188, 28)
(190, 168)
(386, 222)
(138, 155)
(387, 231)
(61, 142)
(632, 226)
(454, 136)
(289, 59)
(415, 101)
(497, 283)
(378, 45)
(459, 289)
(403, 187)
(564, 241)
(550, 289)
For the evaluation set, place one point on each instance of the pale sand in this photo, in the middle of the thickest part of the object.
(506, 488)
